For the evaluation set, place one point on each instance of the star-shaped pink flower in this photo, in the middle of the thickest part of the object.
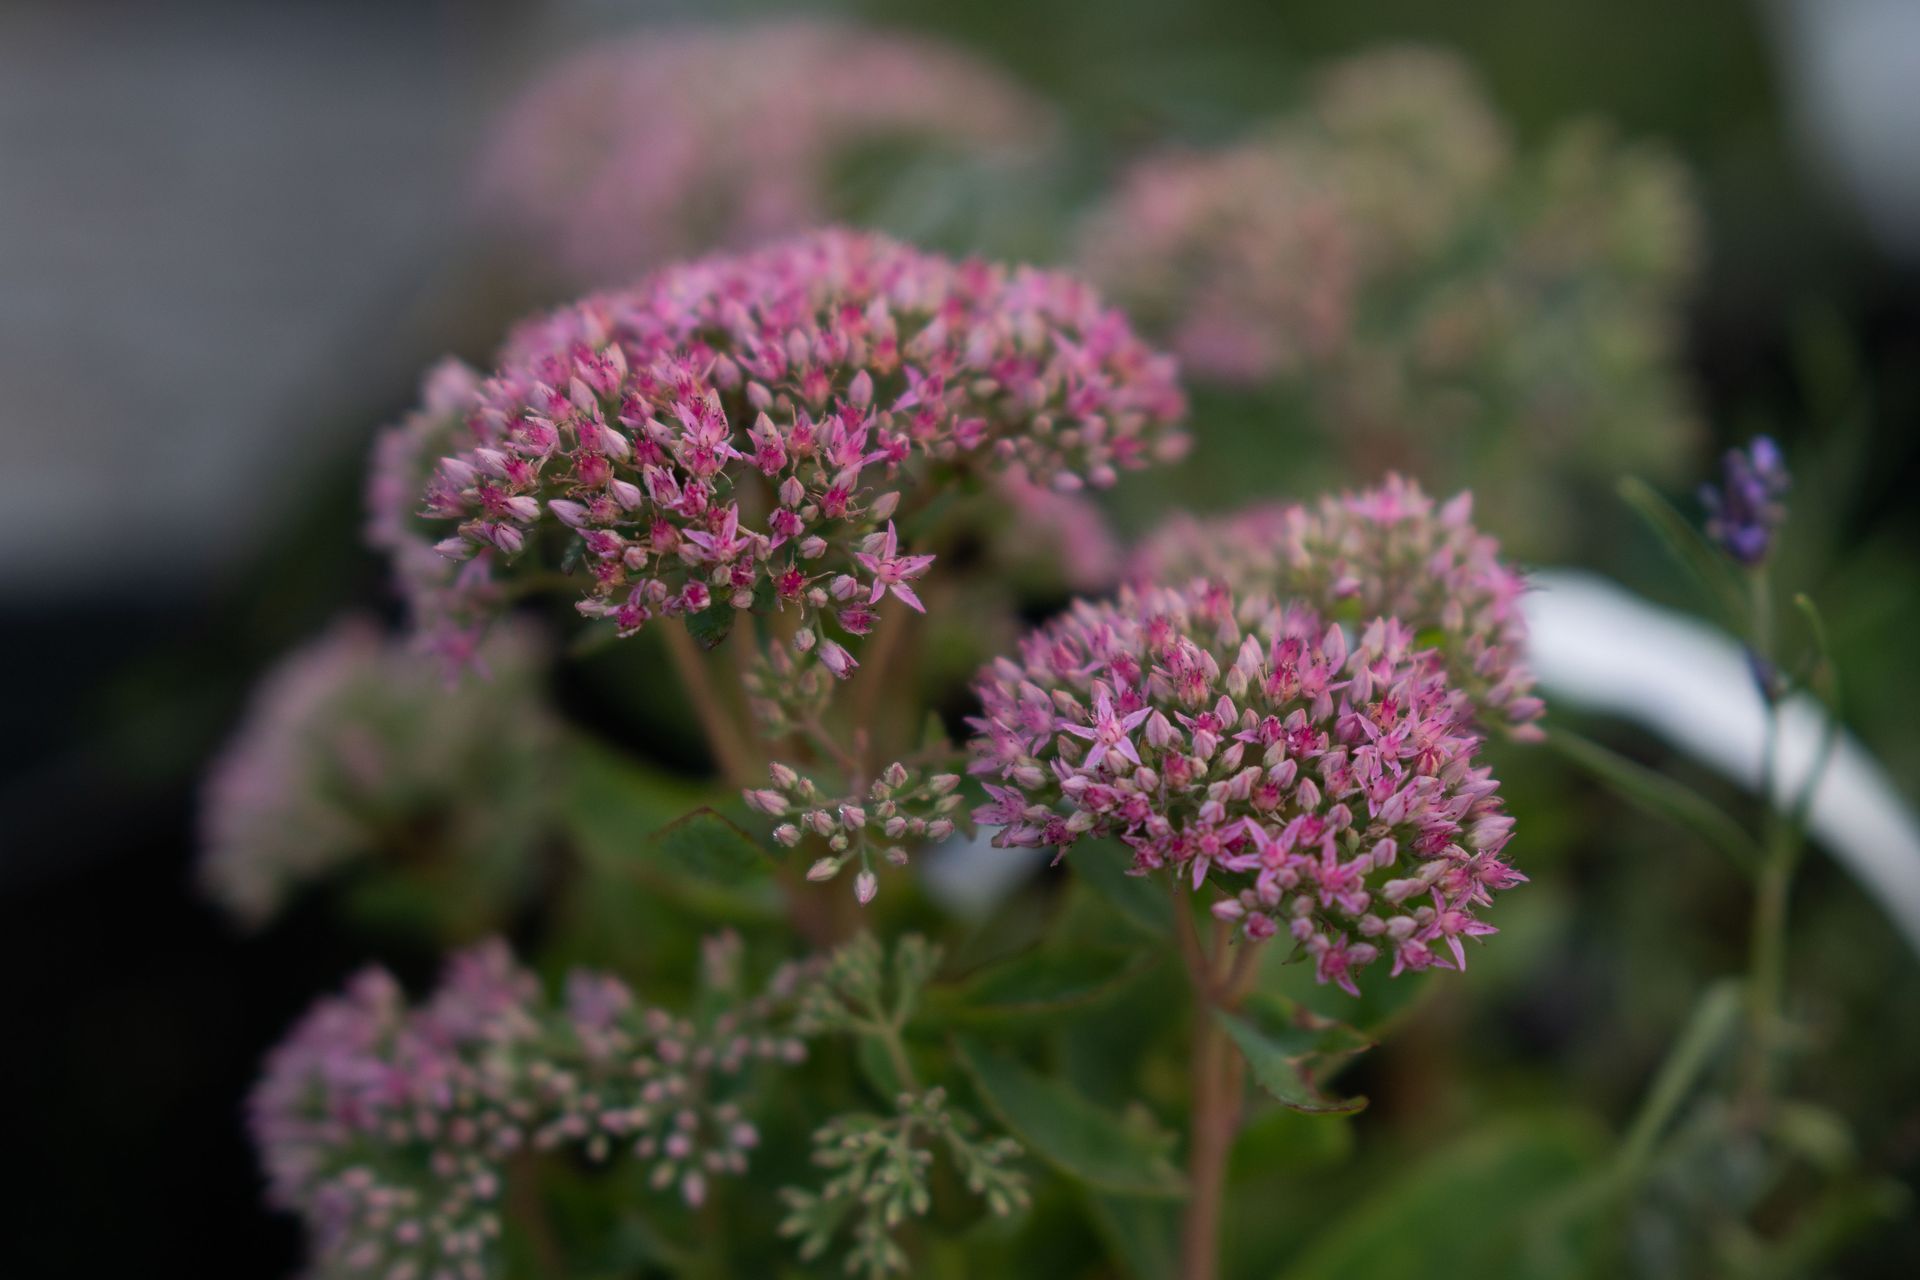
(891, 571)
(1109, 732)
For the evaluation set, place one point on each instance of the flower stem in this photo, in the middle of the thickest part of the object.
(528, 1213)
(1216, 1118)
(1783, 839)
(1216, 1082)
(869, 685)
(1767, 962)
(888, 1033)
(730, 750)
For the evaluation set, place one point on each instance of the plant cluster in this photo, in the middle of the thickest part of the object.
(785, 494)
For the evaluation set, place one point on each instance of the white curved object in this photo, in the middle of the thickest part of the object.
(1596, 645)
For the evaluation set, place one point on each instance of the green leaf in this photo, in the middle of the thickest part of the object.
(1383, 1002)
(1825, 671)
(1086, 1143)
(1659, 795)
(933, 733)
(1708, 1030)
(1837, 1215)
(1140, 899)
(1143, 1235)
(1281, 1143)
(1037, 984)
(1290, 1051)
(1489, 1206)
(1818, 1134)
(710, 626)
(633, 825)
(612, 803)
(1690, 550)
(708, 847)
(878, 1067)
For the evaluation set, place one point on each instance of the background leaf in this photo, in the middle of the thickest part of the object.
(1140, 900)
(1040, 984)
(1485, 1207)
(1087, 1143)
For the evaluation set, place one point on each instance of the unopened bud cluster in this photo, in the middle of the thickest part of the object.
(1328, 787)
(900, 808)
(392, 1130)
(880, 1170)
(786, 691)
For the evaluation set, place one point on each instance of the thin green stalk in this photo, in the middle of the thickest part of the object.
(1659, 795)
(1781, 853)
(1713, 1020)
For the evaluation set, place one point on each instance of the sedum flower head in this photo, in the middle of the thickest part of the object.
(391, 1129)
(681, 139)
(1245, 260)
(1326, 784)
(1383, 258)
(1745, 510)
(351, 749)
(1254, 258)
(737, 433)
(1389, 551)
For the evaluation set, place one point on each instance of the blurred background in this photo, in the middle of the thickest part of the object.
(233, 234)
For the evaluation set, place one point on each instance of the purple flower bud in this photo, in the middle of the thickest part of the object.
(1745, 510)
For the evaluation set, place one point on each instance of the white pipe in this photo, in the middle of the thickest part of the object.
(1598, 646)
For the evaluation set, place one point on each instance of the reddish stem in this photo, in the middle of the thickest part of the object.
(1217, 1083)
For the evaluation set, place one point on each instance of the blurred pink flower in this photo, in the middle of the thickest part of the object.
(685, 139)
(350, 747)
(389, 1129)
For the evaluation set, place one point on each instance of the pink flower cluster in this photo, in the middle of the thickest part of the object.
(737, 433)
(1384, 257)
(391, 1130)
(1328, 787)
(682, 139)
(443, 596)
(1255, 258)
(1245, 260)
(352, 748)
(1389, 551)
(1065, 533)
